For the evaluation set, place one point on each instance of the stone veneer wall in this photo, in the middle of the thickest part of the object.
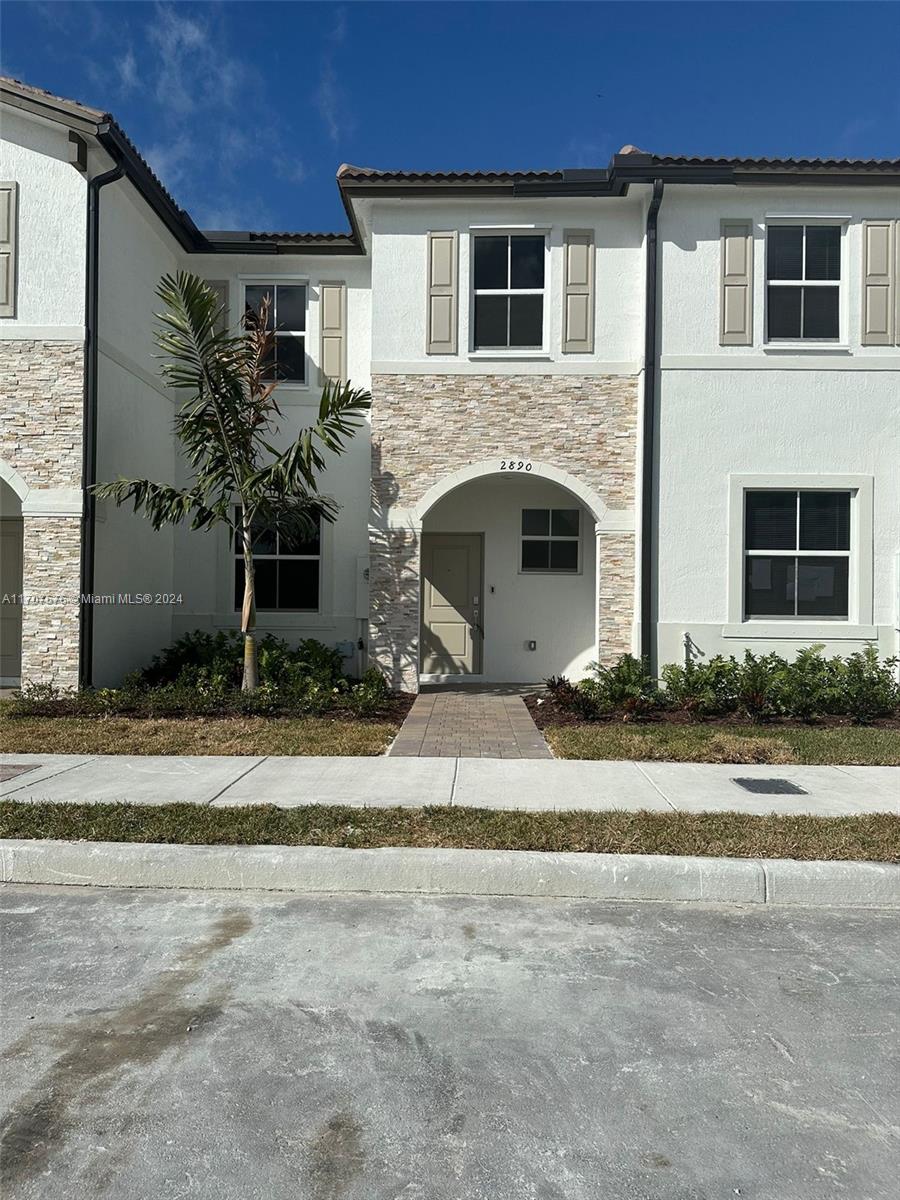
(41, 399)
(425, 427)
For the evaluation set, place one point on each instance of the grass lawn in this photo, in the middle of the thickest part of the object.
(874, 838)
(187, 735)
(842, 745)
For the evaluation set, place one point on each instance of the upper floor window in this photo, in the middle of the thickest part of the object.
(509, 291)
(797, 554)
(287, 317)
(550, 539)
(803, 279)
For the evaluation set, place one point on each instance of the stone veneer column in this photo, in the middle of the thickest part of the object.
(615, 595)
(51, 570)
(41, 401)
(394, 605)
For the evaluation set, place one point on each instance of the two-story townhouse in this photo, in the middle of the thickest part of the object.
(777, 486)
(651, 407)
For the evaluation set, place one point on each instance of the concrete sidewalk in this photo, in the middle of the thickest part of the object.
(535, 785)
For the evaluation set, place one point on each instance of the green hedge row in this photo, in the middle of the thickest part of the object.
(760, 687)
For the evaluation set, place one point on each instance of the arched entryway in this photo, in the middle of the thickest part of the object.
(505, 571)
(508, 575)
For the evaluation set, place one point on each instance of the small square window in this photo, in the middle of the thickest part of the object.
(551, 538)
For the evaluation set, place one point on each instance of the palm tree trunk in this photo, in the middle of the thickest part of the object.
(250, 681)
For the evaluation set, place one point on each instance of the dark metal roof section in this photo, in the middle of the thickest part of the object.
(246, 241)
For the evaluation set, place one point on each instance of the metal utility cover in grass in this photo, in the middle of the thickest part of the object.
(771, 787)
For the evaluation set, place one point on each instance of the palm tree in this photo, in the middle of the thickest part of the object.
(224, 425)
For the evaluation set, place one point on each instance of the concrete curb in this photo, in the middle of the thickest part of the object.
(448, 872)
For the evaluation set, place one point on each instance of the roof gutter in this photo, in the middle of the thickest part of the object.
(89, 424)
(648, 458)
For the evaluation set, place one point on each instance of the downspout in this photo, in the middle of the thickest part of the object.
(651, 364)
(89, 425)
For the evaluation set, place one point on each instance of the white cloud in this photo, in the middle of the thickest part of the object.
(127, 70)
(328, 95)
(170, 160)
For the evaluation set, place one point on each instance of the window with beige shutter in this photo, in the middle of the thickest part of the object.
(880, 265)
(443, 293)
(578, 292)
(8, 248)
(220, 287)
(333, 330)
(736, 284)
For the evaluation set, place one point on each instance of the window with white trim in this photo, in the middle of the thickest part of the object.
(797, 554)
(803, 283)
(286, 570)
(551, 538)
(287, 318)
(508, 280)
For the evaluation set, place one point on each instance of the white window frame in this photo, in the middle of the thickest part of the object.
(802, 343)
(551, 537)
(274, 281)
(858, 624)
(237, 556)
(509, 232)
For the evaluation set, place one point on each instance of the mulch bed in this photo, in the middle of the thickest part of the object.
(546, 712)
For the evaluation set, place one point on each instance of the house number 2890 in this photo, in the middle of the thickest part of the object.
(514, 464)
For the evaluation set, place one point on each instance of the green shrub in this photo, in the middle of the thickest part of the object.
(759, 687)
(869, 688)
(627, 687)
(202, 659)
(702, 689)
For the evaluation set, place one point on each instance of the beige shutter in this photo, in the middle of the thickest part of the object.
(220, 287)
(736, 299)
(443, 292)
(333, 330)
(878, 283)
(578, 292)
(8, 248)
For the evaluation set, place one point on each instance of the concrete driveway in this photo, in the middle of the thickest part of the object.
(387, 1048)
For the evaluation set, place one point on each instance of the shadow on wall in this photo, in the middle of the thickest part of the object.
(393, 585)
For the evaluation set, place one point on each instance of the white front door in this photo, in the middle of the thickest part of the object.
(451, 603)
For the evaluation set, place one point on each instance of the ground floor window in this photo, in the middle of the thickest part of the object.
(551, 538)
(797, 550)
(287, 570)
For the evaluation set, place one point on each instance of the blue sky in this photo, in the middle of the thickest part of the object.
(246, 110)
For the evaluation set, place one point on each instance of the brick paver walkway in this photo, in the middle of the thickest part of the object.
(469, 724)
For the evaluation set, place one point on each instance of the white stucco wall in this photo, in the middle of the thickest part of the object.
(135, 437)
(51, 229)
(399, 269)
(558, 611)
(744, 410)
(204, 564)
